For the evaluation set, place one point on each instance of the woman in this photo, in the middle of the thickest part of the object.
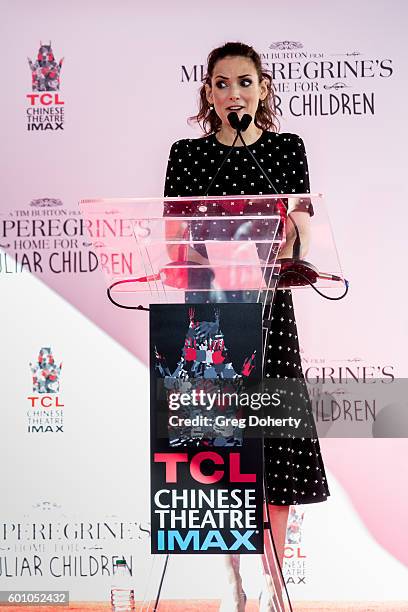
(235, 81)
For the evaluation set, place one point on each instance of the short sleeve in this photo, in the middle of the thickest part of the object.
(175, 180)
(173, 170)
(299, 174)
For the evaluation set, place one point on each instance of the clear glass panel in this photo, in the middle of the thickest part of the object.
(216, 250)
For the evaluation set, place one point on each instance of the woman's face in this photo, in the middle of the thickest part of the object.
(235, 87)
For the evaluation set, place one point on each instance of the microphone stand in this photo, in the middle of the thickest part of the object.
(274, 563)
(299, 271)
(226, 156)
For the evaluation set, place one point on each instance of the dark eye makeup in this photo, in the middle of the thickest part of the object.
(243, 82)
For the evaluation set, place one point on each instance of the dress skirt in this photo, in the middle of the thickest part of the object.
(294, 469)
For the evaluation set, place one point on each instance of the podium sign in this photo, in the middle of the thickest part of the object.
(206, 478)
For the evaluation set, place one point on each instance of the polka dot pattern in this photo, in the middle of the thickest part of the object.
(193, 163)
(294, 467)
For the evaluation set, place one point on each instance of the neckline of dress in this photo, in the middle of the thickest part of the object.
(221, 144)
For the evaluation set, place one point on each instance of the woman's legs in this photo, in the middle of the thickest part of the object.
(234, 601)
(278, 516)
(279, 522)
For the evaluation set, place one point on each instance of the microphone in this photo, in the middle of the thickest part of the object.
(239, 124)
(234, 120)
(245, 121)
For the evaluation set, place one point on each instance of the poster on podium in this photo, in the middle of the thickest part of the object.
(206, 475)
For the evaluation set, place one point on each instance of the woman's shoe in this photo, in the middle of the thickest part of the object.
(233, 602)
(266, 602)
(269, 601)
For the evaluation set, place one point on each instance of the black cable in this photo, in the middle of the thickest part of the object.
(281, 275)
(275, 551)
(297, 243)
(155, 609)
(108, 291)
(327, 297)
(265, 487)
(226, 156)
(259, 165)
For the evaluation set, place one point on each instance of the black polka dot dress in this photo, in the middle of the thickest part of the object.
(294, 469)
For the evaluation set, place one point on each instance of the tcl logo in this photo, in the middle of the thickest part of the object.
(45, 401)
(291, 552)
(44, 98)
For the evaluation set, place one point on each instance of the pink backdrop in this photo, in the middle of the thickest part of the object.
(126, 96)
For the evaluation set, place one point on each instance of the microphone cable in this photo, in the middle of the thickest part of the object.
(309, 282)
(122, 282)
(236, 124)
(226, 156)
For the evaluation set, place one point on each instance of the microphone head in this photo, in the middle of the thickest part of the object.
(234, 120)
(245, 121)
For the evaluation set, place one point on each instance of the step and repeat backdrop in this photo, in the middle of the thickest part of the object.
(93, 95)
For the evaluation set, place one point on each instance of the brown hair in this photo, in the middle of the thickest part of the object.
(265, 116)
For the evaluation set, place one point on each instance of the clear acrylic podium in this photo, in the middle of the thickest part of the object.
(206, 250)
(239, 236)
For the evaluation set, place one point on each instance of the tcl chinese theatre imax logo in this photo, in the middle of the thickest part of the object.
(45, 404)
(45, 109)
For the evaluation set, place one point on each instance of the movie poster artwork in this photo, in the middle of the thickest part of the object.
(206, 476)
